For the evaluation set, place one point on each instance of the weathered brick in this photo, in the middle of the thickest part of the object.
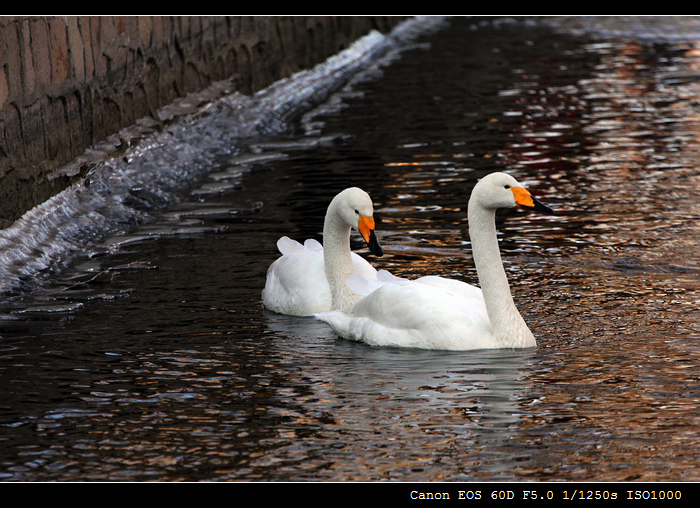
(67, 83)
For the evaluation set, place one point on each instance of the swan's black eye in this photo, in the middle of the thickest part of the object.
(358, 213)
(506, 186)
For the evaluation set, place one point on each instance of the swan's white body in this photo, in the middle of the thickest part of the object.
(310, 278)
(438, 313)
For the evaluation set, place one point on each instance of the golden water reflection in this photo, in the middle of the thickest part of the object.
(611, 282)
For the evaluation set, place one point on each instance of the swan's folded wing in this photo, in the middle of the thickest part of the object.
(288, 246)
(296, 282)
(312, 244)
(386, 276)
(361, 285)
(454, 287)
(362, 266)
(412, 314)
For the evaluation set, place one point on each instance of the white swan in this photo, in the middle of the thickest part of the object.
(310, 278)
(437, 313)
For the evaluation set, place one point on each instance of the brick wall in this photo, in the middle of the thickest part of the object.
(67, 83)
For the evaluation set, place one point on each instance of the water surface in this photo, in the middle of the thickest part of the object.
(154, 360)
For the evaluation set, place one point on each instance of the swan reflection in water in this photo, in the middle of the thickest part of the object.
(475, 395)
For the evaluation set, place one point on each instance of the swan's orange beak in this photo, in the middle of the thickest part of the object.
(524, 198)
(366, 227)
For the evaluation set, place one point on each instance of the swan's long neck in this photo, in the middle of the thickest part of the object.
(509, 327)
(337, 258)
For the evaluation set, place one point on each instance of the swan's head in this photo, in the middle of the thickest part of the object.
(500, 190)
(354, 206)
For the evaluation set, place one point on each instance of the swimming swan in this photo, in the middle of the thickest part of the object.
(310, 278)
(437, 313)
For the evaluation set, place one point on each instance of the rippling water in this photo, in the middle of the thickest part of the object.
(153, 359)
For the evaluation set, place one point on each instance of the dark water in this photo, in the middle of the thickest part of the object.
(157, 362)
